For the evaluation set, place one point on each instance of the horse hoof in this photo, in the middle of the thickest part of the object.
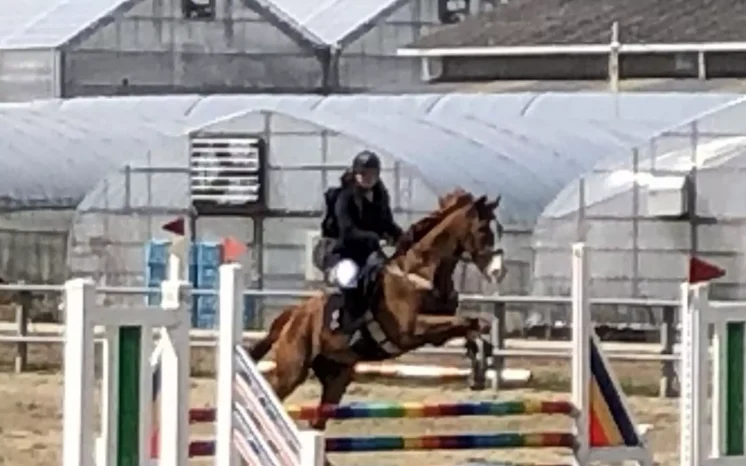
(471, 347)
(320, 427)
(479, 326)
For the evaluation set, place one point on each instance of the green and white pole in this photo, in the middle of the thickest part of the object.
(127, 388)
(126, 405)
(728, 381)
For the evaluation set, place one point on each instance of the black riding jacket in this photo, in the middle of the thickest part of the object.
(363, 223)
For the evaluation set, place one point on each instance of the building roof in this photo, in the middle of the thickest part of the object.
(338, 22)
(550, 22)
(33, 24)
(656, 85)
(51, 23)
(526, 146)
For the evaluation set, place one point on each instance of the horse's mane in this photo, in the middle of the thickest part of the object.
(423, 226)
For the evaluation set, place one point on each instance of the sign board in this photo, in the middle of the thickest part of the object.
(226, 174)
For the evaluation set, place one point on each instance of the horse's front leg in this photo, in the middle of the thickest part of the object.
(437, 330)
(335, 377)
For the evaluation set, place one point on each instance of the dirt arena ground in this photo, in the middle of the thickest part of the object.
(31, 416)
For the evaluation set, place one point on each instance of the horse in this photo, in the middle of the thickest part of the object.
(442, 299)
(393, 325)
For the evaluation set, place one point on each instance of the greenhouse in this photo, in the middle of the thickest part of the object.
(89, 181)
(679, 194)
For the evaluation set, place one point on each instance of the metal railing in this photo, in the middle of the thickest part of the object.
(504, 347)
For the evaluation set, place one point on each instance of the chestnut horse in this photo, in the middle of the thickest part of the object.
(442, 299)
(393, 325)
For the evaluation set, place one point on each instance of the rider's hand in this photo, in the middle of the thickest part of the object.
(388, 240)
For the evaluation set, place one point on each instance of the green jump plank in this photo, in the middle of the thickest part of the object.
(734, 409)
(128, 423)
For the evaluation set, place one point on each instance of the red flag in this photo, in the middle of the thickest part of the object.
(177, 226)
(232, 249)
(701, 271)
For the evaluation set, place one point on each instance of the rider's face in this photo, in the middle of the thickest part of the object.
(367, 178)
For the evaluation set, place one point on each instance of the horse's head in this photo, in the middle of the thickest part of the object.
(470, 227)
(462, 225)
(490, 261)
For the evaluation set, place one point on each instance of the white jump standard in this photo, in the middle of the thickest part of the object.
(727, 435)
(126, 420)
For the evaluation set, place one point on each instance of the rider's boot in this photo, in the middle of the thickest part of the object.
(351, 312)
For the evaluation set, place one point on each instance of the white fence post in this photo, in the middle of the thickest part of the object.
(581, 351)
(107, 442)
(78, 405)
(174, 421)
(229, 332)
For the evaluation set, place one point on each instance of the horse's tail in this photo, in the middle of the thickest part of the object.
(262, 347)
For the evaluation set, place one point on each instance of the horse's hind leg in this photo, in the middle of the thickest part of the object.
(288, 374)
(292, 357)
(295, 348)
(334, 377)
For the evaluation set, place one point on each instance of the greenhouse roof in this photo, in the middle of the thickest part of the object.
(525, 146)
(52, 160)
(719, 136)
(50, 23)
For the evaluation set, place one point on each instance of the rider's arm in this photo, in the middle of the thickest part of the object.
(390, 227)
(348, 230)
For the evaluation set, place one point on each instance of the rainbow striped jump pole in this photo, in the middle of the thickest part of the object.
(199, 449)
(206, 448)
(384, 410)
(421, 410)
(451, 442)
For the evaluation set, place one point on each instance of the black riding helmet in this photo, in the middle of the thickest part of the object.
(366, 160)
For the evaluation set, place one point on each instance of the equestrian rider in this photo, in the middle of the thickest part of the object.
(364, 217)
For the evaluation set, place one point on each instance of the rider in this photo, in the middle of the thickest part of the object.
(363, 213)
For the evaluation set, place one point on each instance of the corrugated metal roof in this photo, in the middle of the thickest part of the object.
(17, 15)
(49, 24)
(622, 112)
(524, 146)
(286, 22)
(445, 159)
(625, 85)
(335, 21)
